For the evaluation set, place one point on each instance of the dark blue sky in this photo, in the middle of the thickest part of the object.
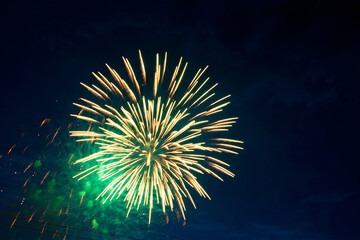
(292, 68)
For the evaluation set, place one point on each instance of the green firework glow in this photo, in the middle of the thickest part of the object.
(55, 203)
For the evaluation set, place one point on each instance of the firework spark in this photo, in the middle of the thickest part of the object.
(150, 135)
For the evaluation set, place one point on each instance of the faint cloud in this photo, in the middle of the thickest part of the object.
(328, 198)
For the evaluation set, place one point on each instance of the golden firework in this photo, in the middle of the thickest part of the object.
(151, 135)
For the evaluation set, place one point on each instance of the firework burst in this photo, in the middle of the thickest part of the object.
(150, 135)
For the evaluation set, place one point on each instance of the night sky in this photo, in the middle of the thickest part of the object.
(292, 68)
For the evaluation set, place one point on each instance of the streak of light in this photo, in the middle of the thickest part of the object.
(46, 120)
(11, 149)
(12, 224)
(28, 167)
(44, 177)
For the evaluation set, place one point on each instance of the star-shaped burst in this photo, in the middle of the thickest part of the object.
(154, 135)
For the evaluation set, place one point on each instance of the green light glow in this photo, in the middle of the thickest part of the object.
(139, 145)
